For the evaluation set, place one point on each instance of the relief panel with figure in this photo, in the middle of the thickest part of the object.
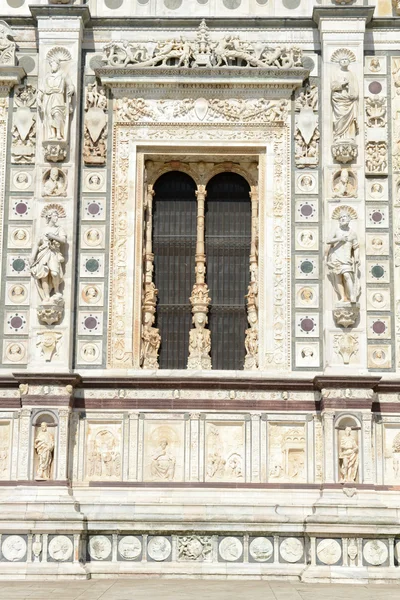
(225, 451)
(164, 450)
(286, 452)
(103, 451)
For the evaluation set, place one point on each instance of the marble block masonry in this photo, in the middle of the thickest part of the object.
(152, 422)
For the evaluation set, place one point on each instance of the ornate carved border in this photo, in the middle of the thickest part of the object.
(274, 186)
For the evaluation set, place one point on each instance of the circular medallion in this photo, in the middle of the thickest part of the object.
(379, 327)
(378, 300)
(23, 179)
(93, 237)
(232, 4)
(306, 267)
(375, 87)
(261, 549)
(159, 548)
(306, 210)
(377, 271)
(20, 237)
(99, 547)
(113, 4)
(306, 295)
(60, 548)
(17, 293)
(376, 190)
(377, 216)
(91, 294)
(14, 548)
(91, 323)
(16, 322)
(291, 550)
(173, 4)
(375, 552)
(306, 238)
(130, 547)
(92, 265)
(15, 352)
(18, 264)
(397, 551)
(307, 325)
(230, 548)
(90, 352)
(94, 209)
(21, 208)
(329, 551)
(94, 181)
(379, 356)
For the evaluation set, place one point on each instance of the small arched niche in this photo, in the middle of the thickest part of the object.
(44, 425)
(348, 444)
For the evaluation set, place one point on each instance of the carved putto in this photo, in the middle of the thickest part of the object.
(7, 46)
(55, 105)
(230, 51)
(344, 99)
(376, 159)
(343, 261)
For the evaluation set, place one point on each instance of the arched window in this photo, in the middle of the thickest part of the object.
(227, 246)
(174, 246)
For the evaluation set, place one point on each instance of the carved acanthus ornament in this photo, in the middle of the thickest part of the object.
(344, 98)
(375, 112)
(251, 341)
(200, 336)
(307, 133)
(95, 144)
(376, 158)
(151, 339)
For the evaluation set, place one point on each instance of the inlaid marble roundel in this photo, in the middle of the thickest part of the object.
(329, 551)
(113, 4)
(173, 4)
(232, 4)
(15, 3)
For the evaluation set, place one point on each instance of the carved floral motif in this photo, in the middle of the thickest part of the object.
(7, 46)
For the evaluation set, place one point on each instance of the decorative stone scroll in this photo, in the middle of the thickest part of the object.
(344, 98)
(94, 148)
(47, 265)
(343, 261)
(230, 51)
(55, 106)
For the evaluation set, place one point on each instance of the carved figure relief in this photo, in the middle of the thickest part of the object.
(48, 344)
(23, 137)
(195, 547)
(392, 454)
(291, 549)
(7, 46)
(344, 99)
(60, 548)
(286, 453)
(54, 182)
(346, 345)
(376, 159)
(14, 548)
(130, 547)
(329, 551)
(46, 265)
(159, 548)
(163, 456)
(230, 549)
(95, 144)
(55, 105)
(344, 184)
(99, 547)
(375, 552)
(348, 455)
(251, 340)
(307, 133)
(202, 52)
(343, 261)
(104, 453)
(225, 452)
(44, 446)
(261, 549)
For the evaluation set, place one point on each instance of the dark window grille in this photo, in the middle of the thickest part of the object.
(227, 239)
(174, 247)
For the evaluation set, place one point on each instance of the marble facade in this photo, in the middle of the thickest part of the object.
(111, 465)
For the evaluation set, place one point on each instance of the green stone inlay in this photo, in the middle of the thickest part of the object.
(18, 264)
(92, 265)
(306, 266)
(378, 271)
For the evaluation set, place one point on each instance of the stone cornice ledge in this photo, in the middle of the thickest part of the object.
(241, 76)
(343, 13)
(11, 76)
(61, 11)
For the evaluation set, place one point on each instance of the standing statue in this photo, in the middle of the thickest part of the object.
(199, 343)
(44, 446)
(344, 98)
(46, 264)
(55, 105)
(348, 456)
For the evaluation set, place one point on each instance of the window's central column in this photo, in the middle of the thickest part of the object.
(199, 337)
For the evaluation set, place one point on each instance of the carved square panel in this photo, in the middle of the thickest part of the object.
(163, 450)
(225, 451)
(306, 182)
(286, 454)
(307, 295)
(307, 325)
(103, 452)
(90, 352)
(90, 323)
(17, 293)
(342, 183)
(306, 211)
(92, 265)
(22, 180)
(307, 354)
(377, 216)
(20, 236)
(378, 298)
(391, 454)
(379, 327)
(20, 209)
(377, 190)
(307, 267)
(377, 244)
(343, 348)
(15, 352)
(375, 65)
(375, 86)
(307, 238)
(379, 356)
(18, 265)
(93, 236)
(378, 271)
(91, 293)
(94, 180)
(16, 322)
(93, 209)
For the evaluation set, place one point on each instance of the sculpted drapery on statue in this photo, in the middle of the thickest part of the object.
(344, 98)
(44, 446)
(55, 105)
(348, 456)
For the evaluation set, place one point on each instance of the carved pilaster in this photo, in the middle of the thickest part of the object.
(200, 337)
(151, 339)
(367, 448)
(328, 447)
(251, 341)
(194, 446)
(63, 437)
(24, 437)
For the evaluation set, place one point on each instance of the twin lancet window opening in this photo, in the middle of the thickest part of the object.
(200, 284)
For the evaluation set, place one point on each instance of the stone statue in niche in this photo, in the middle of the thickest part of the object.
(344, 98)
(46, 265)
(251, 339)
(343, 261)
(54, 182)
(55, 105)
(7, 46)
(163, 462)
(199, 343)
(44, 446)
(348, 456)
(94, 148)
(344, 184)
